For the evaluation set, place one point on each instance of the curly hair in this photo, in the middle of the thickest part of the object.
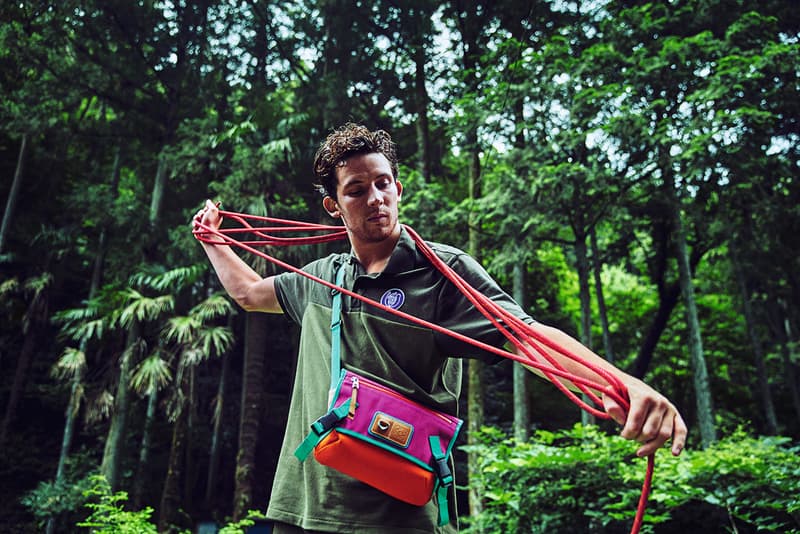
(344, 142)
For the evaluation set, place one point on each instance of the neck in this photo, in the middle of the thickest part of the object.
(374, 255)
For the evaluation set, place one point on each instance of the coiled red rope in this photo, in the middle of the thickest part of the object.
(530, 344)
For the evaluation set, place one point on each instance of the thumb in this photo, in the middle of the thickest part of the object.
(614, 410)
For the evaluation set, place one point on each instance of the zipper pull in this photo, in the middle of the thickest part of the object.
(353, 399)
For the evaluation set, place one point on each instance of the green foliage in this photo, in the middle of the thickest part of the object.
(108, 515)
(107, 510)
(582, 480)
(240, 527)
(51, 499)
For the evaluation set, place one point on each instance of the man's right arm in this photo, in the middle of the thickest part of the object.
(242, 283)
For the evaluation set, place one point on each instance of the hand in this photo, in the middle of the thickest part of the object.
(208, 216)
(651, 420)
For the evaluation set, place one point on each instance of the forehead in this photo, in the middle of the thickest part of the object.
(359, 167)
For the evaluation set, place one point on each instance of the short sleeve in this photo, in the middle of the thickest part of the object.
(295, 291)
(457, 313)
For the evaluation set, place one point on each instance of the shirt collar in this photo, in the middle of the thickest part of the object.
(403, 258)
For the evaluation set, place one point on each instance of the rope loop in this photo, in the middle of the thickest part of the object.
(535, 349)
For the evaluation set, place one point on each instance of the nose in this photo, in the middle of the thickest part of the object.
(375, 196)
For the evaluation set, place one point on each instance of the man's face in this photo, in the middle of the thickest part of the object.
(366, 198)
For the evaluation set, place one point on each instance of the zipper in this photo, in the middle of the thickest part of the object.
(353, 396)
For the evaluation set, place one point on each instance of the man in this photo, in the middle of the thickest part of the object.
(357, 173)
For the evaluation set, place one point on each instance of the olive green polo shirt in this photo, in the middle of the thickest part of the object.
(420, 363)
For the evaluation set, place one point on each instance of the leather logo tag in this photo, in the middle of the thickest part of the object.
(391, 429)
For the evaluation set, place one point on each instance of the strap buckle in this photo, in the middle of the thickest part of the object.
(442, 468)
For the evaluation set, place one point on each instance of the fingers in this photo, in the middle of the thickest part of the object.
(208, 215)
(679, 433)
(652, 420)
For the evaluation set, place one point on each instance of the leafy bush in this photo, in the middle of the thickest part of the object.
(241, 527)
(582, 480)
(62, 501)
(108, 515)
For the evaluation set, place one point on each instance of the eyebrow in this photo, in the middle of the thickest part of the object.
(358, 180)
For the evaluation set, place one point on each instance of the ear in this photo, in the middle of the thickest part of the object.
(331, 207)
(399, 189)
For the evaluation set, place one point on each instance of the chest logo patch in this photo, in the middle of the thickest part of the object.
(393, 298)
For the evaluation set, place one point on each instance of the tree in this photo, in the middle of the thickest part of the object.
(139, 309)
(196, 339)
(11, 202)
(37, 293)
(469, 20)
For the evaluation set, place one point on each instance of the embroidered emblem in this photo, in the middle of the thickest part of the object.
(393, 298)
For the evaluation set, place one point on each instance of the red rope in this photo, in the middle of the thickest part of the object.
(531, 344)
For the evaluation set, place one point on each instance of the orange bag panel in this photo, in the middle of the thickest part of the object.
(377, 467)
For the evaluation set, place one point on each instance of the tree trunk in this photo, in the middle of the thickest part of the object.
(66, 441)
(256, 342)
(475, 413)
(469, 29)
(522, 416)
(157, 196)
(216, 435)
(764, 393)
(791, 368)
(36, 317)
(597, 267)
(582, 261)
(191, 417)
(17, 386)
(777, 312)
(94, 287)
(112, 454)
(11, 202)
(143, 471)
(102, 244)
(705, 409)
(421, 102)
(169, 510)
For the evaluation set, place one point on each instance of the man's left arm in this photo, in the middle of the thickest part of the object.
(652, 418)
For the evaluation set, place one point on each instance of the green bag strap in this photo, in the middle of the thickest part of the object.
(323, 425)
(336, 330)
(445, 478)
(320, 428)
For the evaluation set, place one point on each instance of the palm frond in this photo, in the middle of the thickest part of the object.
(141, 308)
(37, 284)
(215, 340)
(173, 280)
(212, 308)
(90, 330)
(152, 374)
(193, 356)
(181, 329)
(99, 407)
(9, 287)
(74, 315)
(70, 365)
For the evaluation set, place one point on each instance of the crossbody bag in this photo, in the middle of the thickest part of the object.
(381, 437)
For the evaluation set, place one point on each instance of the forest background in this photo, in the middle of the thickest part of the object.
(628, 170)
